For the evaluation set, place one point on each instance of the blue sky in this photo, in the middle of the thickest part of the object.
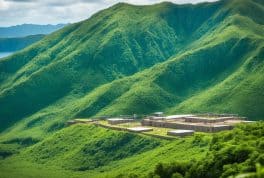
(14, 12)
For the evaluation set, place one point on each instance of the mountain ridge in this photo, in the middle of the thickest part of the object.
(28, 29)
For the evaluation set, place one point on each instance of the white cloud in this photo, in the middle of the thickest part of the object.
(13, 12)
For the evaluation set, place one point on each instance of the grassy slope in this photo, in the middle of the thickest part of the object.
(14, 44)
(241, 92)
(98, 152)
(212, 61)
(228, 58)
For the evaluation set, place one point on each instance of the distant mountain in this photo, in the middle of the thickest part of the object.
(14, 44)
(28, 29)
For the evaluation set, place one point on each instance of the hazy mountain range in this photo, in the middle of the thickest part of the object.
(18, 37)
(28, 29)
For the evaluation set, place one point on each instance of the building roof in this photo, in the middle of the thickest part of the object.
(83, 120)
(178, 116)
(158, 112)
(181, 131)
(220, 125)
(209, 118)
(115, 119)
(140, 129)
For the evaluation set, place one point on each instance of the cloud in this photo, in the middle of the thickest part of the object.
(70, 2)
(13, 12)
(20, 1)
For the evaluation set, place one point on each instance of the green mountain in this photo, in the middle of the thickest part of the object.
(83, 56)
(15, 44)
(132, 59)
(126, 60)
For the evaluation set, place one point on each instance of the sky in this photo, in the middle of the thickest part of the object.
(15, 12)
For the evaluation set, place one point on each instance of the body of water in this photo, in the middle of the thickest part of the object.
(4, 54)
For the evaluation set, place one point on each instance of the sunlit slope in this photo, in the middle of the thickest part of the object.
(100, 152)
(241, 92)
(228, 62)
(113, 43)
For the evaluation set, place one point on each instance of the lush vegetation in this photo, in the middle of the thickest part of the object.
(87, 150)
(135, 59)
(229, 154)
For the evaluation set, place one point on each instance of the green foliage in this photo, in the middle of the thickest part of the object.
(88, 150)
(136, 59)
(175, 170)
(230, 153)
(99, 152)
(97, 147)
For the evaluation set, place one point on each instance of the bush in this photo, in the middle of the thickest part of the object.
(231, 153)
